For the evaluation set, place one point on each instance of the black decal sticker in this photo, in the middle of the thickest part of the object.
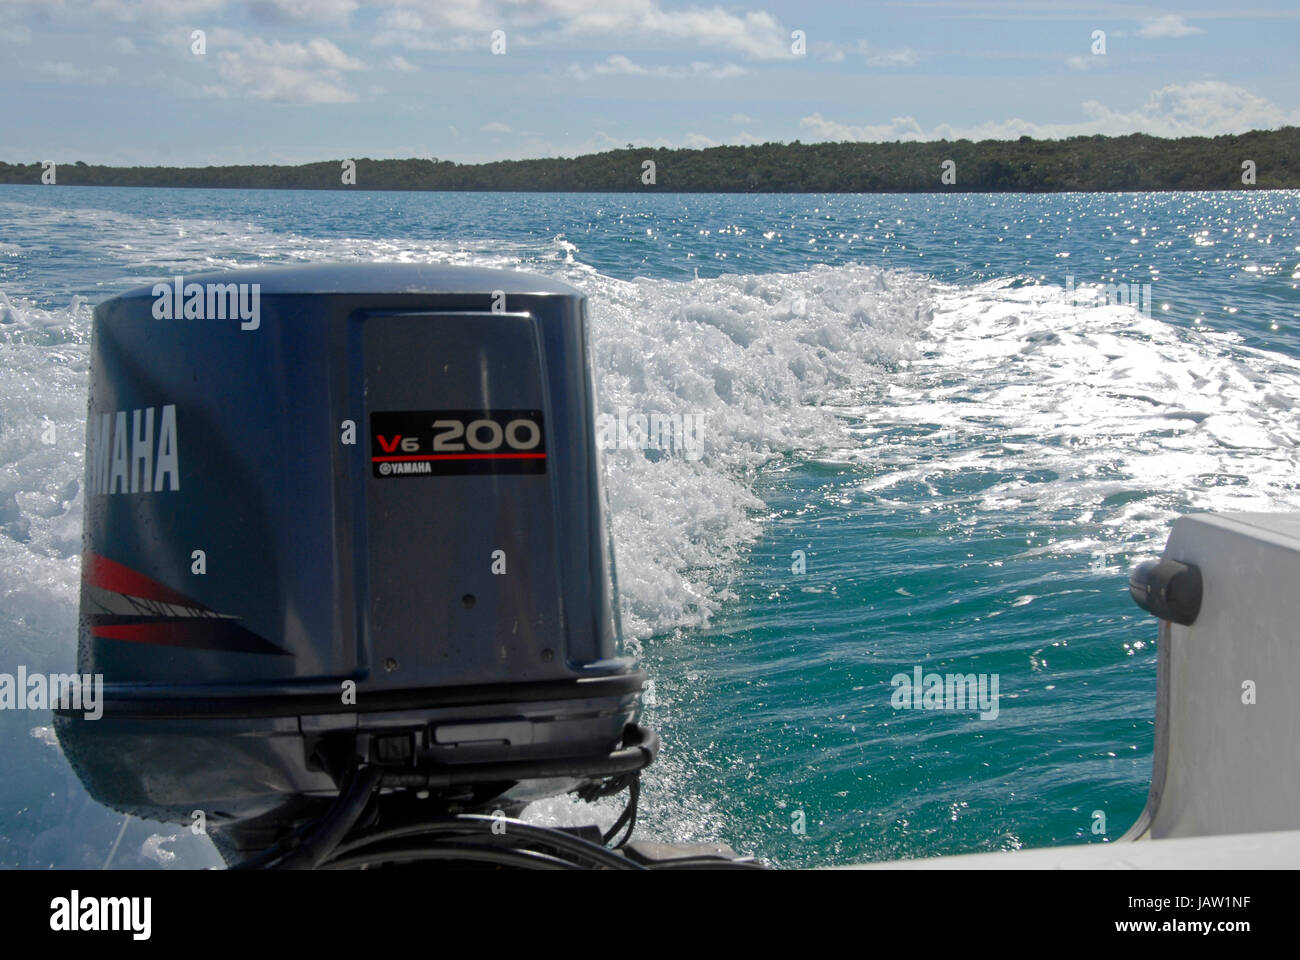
(422, 443)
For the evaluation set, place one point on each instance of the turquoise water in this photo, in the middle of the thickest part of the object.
(968, 456)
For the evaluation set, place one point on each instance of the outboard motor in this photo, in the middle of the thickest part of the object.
(347, 562)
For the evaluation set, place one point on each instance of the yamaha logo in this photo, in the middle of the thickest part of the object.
(134, 451)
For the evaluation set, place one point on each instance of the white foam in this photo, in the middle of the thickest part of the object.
(42, 436)
(761, 357)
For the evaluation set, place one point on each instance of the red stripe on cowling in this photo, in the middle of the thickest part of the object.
(160, 633)
(110, 575)
(195, 633)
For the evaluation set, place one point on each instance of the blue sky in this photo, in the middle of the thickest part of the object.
(288, 81)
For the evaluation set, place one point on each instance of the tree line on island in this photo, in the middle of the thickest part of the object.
(1258, 159)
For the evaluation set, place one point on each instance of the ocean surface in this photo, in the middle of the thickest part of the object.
(932, 438)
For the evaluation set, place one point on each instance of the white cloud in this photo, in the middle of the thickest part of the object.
(124, 45)
(469, 16)
(495, 127)
(156, 10)
(338, 10)
(407, 29)
(1206, 108)
(886, 58)
(834, 52)
(16, 34)
(310, 72)
(401, 64)
(741, 118)
(755, 34)
(619, 65)
(401, 20)
(1089, 62)
(725, 71)
(322, 51)
(417, 24)
(900, 128)
(71, 73)
(1170, 25)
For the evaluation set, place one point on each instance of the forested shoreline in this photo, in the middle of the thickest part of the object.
(1263, 159)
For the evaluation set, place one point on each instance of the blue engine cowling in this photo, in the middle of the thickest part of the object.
(346, 514)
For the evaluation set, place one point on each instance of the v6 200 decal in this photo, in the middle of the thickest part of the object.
(415, 443)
